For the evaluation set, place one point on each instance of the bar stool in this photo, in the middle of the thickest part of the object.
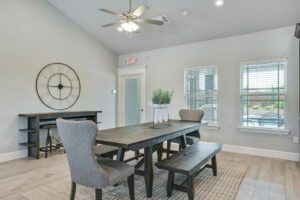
(49, 145)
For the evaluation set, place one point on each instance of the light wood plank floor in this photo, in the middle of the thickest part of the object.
(266, 178)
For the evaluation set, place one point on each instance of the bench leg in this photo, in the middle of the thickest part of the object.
(214, 165)
(170, 183)
(190, 188)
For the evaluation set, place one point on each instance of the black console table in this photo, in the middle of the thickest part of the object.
(34, 120)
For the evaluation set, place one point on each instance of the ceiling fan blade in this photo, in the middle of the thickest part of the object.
(110, 24)
(140, 10)
(150, 21)
(110, 12)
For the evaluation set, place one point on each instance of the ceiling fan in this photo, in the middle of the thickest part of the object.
(130, 20)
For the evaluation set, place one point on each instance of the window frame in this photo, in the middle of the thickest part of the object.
(207, 124)
(258, 129)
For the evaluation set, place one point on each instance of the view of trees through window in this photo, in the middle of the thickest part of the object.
(263, 94)
(201, 91)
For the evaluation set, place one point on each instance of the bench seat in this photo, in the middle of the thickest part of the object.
(190, 162)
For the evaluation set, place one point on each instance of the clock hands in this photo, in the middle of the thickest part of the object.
(60, 86)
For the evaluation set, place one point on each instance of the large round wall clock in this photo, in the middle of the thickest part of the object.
(58, 86)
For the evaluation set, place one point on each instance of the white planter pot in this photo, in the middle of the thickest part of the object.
(160, 113)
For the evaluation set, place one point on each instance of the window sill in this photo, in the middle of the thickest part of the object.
(259, 130)
(210, 126)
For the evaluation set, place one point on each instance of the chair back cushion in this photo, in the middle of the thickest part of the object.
(78, 138)
(191, 115)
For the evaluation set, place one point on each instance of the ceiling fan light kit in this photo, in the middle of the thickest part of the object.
(219, 3)
(130, 20)
(129, 26)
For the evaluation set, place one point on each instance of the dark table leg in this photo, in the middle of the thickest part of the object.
(121, 154)
(183, 143)
(148, 173)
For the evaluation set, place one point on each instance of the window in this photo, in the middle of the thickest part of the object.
(263, 94)
(201, 86)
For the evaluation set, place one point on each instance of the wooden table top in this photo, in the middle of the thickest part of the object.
(143, 135)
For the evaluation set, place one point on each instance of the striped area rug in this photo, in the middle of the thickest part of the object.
(225, 186)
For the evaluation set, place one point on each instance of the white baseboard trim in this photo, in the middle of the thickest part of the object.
(261, 152)
(13, 155)
(226, 147)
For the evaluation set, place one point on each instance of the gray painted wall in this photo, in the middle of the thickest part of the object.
(32, 35)
(166, 67)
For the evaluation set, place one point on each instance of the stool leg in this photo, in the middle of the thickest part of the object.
(47, 144)
(190, 188)
(170, 183)
(50, 140)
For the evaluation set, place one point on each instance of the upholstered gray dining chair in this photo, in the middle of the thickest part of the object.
(193, 137)
(78, 138)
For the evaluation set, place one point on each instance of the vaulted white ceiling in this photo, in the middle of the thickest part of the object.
(205, 21)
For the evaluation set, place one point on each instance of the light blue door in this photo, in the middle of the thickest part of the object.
(132, 101)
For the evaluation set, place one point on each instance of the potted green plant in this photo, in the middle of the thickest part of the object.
(161, 100)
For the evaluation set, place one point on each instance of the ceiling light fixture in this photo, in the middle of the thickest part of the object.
(219, 3)
(129, 26)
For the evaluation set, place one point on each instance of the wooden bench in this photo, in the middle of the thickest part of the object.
(191, 161)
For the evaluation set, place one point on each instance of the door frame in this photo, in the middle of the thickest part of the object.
(122, 73)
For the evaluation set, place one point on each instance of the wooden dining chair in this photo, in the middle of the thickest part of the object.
(86, 169)
(192, 137)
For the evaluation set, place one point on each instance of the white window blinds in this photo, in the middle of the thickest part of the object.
(263, 94)
(201, 87)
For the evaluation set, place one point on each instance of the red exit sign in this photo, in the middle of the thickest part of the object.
(130, 61)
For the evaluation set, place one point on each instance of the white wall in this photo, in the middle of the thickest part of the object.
(166, 67)
(32, 35)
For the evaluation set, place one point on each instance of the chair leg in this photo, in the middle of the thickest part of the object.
(73, 191)
(98, 193)
(214, 165)
(159, 151)
(170, 183)
(130, 181)
(168, 148)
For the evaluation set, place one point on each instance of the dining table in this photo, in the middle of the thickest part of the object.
(149, 138)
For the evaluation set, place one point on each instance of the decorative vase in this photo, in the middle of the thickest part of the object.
(160, 113)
